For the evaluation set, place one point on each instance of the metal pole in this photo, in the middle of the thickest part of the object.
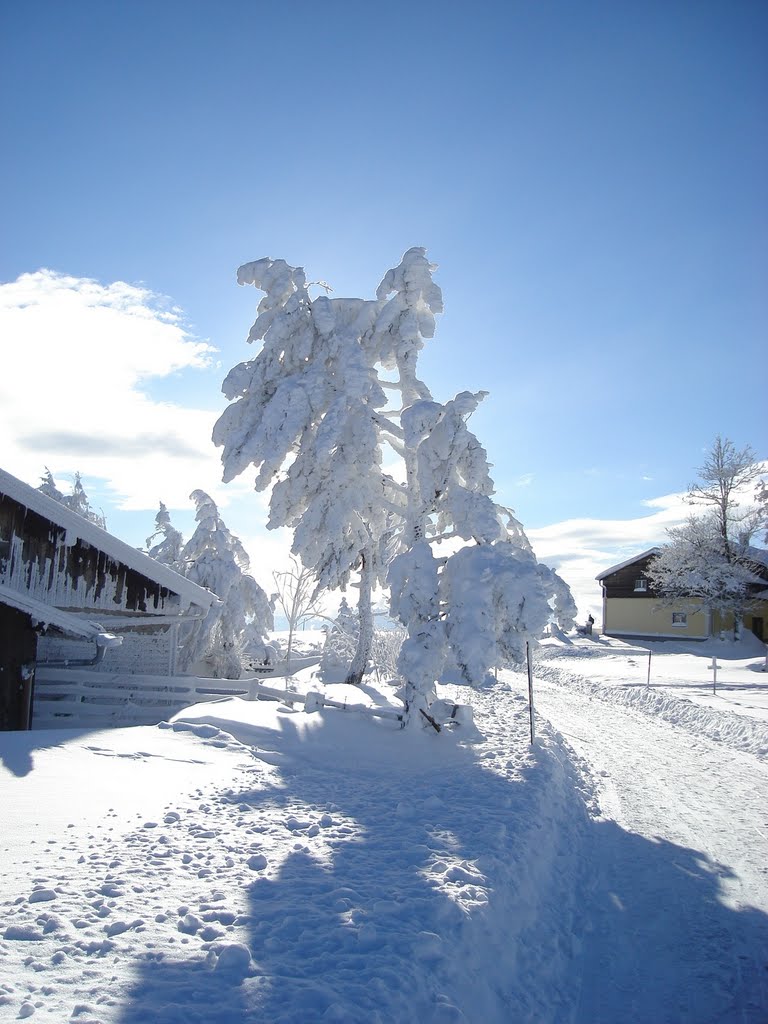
(530, 687)
(648, 680)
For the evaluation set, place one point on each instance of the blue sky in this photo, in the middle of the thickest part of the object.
(589, 177)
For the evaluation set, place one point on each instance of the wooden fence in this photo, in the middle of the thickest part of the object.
(69, 698)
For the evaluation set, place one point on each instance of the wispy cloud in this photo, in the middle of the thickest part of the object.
(78, 357)
(579, 549)
(525, 480)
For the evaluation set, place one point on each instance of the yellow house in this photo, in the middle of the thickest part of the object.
(632, 609)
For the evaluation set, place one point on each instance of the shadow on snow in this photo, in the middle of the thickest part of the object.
(423, 904)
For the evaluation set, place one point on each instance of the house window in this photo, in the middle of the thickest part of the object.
(679, 618)
(641, 585)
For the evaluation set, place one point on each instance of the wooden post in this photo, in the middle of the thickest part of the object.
(648, 680)
(713, 667)
(530, 688)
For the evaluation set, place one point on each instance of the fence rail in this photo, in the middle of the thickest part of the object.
(66, 698)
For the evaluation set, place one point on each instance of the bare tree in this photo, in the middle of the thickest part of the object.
(724, 476)
(298, 599)
(709, 557)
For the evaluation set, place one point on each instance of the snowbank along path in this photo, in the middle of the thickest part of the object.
(291, 868)
(676, 929)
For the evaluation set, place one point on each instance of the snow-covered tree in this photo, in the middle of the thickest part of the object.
(761, 500)
(165, 544)
(564, 610)
(340, 642)
(76, 500)
(48, 486)
(385, 650)
(306, 407)
(709, 558)
(448, 496)
(217, 560)
(309, 413)
(695, 566)
(722, 487)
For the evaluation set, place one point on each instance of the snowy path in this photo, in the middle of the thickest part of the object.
(678, 911)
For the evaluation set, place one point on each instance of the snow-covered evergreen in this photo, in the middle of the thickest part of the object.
(217, 560)
(49, 488)
(307, 405)
(309, 413)
(76, 500)
(340, 643)
(165, 544)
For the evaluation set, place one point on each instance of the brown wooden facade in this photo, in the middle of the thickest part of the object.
(35, 557)
(629, 580)
(62, 581)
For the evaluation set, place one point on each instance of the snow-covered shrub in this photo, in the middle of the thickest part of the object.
(385, 651)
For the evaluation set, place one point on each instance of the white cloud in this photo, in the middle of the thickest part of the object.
(579, 549)
(76, 357)
(525, 480)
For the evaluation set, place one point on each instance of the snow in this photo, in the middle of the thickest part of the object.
(681, 677)
(248, 861)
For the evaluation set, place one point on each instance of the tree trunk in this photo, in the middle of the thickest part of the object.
(365, 615)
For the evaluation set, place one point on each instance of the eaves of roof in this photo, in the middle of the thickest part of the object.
(79, 528)
(48, 615)
(629, 561)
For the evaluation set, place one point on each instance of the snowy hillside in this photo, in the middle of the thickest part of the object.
(251, 862)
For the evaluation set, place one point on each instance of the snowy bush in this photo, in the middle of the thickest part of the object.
(385, 651)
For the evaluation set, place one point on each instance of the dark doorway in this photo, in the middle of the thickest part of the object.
(18, 652)
(757, 626)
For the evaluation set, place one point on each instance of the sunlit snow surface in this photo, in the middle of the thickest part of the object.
(250, 862)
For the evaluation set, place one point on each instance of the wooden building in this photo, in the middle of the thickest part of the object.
(72, 594)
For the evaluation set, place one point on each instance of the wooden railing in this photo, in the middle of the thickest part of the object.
(69, 698)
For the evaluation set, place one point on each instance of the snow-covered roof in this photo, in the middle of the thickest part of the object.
(79, 528)
(48, 615)
(629, 561)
